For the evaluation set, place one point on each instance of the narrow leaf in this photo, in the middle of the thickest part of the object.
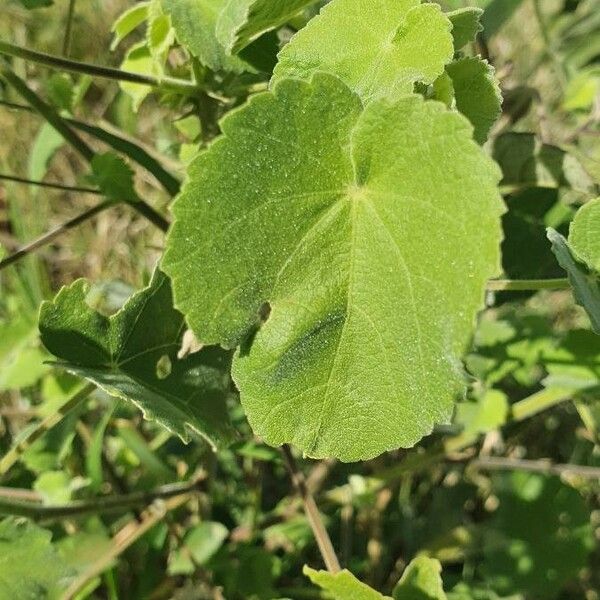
(133, 355)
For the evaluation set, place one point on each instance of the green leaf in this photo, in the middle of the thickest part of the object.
(121, 354)
(379, 52)
(584, 236)
(488, 413)
(46, 144)
(243, 21)
(343, 221)
(477, 94)
(139, 59)
(538, 539)
(343, 585)
(527, 162)
(114, 177)
(30, 567)
(496, 14)
(195, 23)
(129, 20)
(421, 580)
(61, 91)
(466, 24)
(586, 285)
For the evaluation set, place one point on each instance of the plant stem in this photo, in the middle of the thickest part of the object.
(61, 125)
(47, 184)
(489, 463)
(312, 512)
(99, 505)
(50, 421)
(49, 237)
(527, 285)
(64, 64)
(538, 402)
(68, 28)
(125, 538)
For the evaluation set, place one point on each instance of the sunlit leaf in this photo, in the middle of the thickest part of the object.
(343, 585)
(421, 580)
(379, 52)
(354, 226)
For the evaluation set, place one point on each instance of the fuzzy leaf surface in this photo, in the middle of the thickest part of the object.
(343, 585)
(476, 93)
(584, 236)
(370, 233)
(133, 355)
(243, 21)
(379, 52)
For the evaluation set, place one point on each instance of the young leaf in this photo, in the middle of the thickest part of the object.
(30, 566)
(584, 236)
(421, 580)
(243, 21)
(586, 285)
(114, 177)
(343, 585)
(129, 20)
(356, 226)
(133, 355)
(466, 24)
(379, 52)
(477, 94)
(195, 23)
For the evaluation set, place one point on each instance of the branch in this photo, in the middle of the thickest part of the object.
(312, 512)
(57, 62)
(49, 237)
(47, 184)
(33, 509)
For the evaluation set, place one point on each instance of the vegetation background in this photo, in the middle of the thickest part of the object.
(473, 495)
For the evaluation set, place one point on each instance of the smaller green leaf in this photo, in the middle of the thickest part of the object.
(30, 566)
(466, 24)
(114, 177)
(584, 236)
(139, 59)
(343, 585)
(120, 354)
(487, 414)
(477, 94)
(243, 21)
(61, 91)
(129, 20)
(586, 285)
(421, 580)
(204, 540)
(380, 52)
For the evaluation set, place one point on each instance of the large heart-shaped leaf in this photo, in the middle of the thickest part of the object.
(370, 233)
(378, 52)
(134, 355)
(242, 21)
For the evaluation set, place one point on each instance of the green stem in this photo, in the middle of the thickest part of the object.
(99, 505)
(23, 445)
(64, 64)
(546, 467)
(68, 28)
(539, 402)
(312, 512)
(71, 137)
(49, 237)
(47, 184)
(527, 285)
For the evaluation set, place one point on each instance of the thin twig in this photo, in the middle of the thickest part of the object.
(123, 540)
(49, 237)
(66, 50)
(312, 512)
(50, 185)
(100, 505)
(15, 453)
(527, 285)
(545, 466)
(64, 64)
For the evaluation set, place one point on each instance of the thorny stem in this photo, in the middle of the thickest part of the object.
(23, 445)
(49, 237)
(57, 62)
(312, 512)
